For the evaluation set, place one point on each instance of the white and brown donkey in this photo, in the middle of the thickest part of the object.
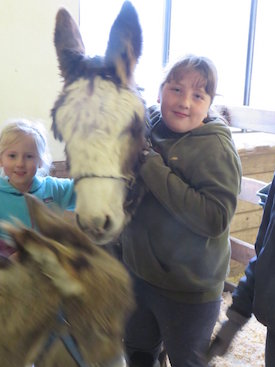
(100, 116)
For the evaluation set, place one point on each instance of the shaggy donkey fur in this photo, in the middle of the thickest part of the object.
(101, 118)
(59, 268)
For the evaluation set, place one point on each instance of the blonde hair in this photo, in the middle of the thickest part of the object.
(202, 64)
(14, 129)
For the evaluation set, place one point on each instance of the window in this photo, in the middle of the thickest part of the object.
(218, 29)
(263, 74)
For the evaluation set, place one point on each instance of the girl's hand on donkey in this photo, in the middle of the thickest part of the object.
(147, 153)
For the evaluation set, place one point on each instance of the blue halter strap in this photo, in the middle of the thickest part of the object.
(67, 339)
(70, 344)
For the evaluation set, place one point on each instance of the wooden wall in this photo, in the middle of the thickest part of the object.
(256, 148)
(59, 169)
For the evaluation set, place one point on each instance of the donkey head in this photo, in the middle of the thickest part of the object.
(59, 268)
(100, 116)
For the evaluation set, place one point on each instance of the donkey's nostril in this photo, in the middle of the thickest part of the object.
(97, 226)
(78, 221)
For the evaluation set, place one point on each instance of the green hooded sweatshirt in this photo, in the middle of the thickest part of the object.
(178, 239)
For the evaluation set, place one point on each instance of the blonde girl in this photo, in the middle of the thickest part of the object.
(25, 162)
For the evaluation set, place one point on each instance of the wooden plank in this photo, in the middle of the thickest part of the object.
(246, 220)
(245, 117)
(263, 176)
(244, 206)
(247, 235)
(252, 141)
(257, 163)
(241, 251)
(59, 169)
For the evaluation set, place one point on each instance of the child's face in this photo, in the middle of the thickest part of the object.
(20, 162)
(184, 103)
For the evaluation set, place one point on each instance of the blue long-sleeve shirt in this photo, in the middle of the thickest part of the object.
(48, 189)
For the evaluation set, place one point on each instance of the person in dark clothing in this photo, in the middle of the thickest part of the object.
(255, 293)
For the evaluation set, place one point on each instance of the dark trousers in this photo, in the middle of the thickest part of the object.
(185, 329)
(270, 349)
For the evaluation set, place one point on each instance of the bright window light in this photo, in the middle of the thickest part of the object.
(95, 25)
(217, 29)
(263, 74)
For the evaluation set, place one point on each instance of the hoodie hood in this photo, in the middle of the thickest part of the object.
(215, 126)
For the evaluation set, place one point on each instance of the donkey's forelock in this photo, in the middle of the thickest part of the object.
(103, 127)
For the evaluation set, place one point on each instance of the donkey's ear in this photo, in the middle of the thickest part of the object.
(125, 42)
(68, 42)
(45, 219)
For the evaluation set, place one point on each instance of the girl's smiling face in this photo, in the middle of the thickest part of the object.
(184, 102)
(20, 162)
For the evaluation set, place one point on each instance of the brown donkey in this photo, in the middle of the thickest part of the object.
(59, 271)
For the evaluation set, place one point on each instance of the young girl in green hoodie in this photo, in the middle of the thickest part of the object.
(177, 245)
(24, 162)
